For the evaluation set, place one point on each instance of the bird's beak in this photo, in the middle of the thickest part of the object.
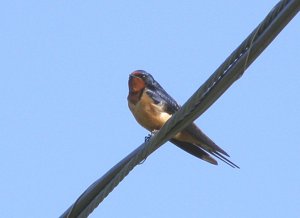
(133, 76)
(135, 83)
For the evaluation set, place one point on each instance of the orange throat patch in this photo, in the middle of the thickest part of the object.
(136, 88)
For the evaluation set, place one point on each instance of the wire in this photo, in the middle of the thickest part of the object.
(231, 70)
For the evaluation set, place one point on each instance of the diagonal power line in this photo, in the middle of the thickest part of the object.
(228, 72)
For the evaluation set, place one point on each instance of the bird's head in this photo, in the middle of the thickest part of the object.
(139, 80)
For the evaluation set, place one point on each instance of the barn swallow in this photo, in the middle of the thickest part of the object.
(152, 106)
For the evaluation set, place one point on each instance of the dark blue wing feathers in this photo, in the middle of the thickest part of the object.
(159, 95)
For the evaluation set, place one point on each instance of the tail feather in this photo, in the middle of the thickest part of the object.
(202, 154)
(224, 159)
(194, 150)
(204, 140)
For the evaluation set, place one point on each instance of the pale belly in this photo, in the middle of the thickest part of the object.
(152, 117)
(149, 115)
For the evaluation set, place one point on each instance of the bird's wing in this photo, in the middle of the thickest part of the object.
(160, 96)
(194, 150)
(208, 145)
(200, 153)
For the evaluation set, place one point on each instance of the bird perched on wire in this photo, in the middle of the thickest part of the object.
(152, 106)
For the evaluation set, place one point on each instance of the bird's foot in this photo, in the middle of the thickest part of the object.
(147, 138)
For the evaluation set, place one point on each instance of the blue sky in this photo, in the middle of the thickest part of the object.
(64, 119)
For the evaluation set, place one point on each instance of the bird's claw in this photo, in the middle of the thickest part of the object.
(152, 133)
(147, 138)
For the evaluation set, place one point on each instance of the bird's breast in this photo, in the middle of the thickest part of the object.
(148, 114)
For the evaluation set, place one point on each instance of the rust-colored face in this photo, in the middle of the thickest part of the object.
(136, 83)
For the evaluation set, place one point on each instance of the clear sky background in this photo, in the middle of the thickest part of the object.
(64, 119)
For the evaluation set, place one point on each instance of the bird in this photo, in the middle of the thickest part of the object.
(152, 106)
